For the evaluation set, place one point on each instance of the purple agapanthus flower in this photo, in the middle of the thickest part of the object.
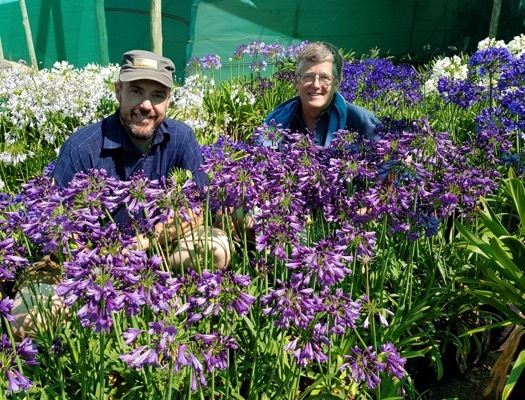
(6, 304)
(324, 261)
(489, 61)
(273, 51)
(214, 349)
(258, 65)
(255, 47)
(343, 313)
(363, 366)
(210, 61)
(12, 259)
(293, 50)
(395, 364)
(307, 346)
(291, 304)
(459, 92)
(105, 279)
(240, 51)
(23, 353)
(221, 290)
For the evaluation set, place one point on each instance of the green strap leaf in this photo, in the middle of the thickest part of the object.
(515, 373)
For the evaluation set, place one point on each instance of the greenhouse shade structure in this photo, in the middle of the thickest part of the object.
(70, 30)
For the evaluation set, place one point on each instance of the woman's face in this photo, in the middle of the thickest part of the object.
(316, 86)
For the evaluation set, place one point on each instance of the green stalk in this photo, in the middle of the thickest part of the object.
(102, 365)
(170, 378)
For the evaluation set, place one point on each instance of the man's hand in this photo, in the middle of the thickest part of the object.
(169, 231)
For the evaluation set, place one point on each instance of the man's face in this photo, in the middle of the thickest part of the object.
(311, 84)
(143, 105)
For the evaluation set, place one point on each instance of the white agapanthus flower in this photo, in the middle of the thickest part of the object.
(517, 45)
(491, 42)
(449, 67)
(241, 97)
(188, 100)
(43, 100)
(14, 158)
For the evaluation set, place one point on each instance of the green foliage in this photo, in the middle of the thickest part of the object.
(498, 250)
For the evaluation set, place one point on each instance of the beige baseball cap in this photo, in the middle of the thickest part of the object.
(142, 64)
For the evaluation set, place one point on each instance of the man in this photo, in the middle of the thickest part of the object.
(318, 107)
(138, 137)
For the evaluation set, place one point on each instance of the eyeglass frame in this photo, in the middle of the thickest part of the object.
(315, 77)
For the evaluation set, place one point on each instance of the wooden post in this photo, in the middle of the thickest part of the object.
(494, 20)
(156, 26)
(29, 36)
(1, 49)
(102, 32)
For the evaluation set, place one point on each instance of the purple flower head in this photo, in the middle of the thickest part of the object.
(6, 305)
(363, 366)
(489, 61)
(255, 48)
(374, 79)
(214, 349)
(23, 353)
(269, 135)
(161, 347)
(11, 259)
(293, 50)
(343, 312)
(395, 365)
(186, 358)
(104, 280)
(291, 304)
(258, 65)
(49, 168)
(325, 261)
(193, 62)
(273, 51)
(309, 346)
(459, 92)
(210, 61)
(222, 290)
(240, 51)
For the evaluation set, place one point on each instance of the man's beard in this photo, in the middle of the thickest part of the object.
(140, 133)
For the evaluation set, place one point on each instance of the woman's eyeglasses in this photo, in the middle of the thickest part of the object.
(308, 79)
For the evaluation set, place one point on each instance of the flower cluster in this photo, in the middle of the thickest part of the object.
(34, 98)
(365, 365)
(371, 80)
(271, 53)
(11, 360)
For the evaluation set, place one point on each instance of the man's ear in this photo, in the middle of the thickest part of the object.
(118, 90)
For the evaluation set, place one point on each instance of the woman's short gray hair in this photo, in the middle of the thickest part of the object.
(319, 52)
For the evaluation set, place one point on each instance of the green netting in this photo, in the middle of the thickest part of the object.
(68, 30)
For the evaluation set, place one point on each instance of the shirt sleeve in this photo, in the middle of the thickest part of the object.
(193, 160)
(67, 165)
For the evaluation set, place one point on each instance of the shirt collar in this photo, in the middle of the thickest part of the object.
(115, 136)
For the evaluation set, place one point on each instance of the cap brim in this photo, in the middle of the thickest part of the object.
(130, 76)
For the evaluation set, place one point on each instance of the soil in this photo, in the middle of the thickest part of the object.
(464, 386)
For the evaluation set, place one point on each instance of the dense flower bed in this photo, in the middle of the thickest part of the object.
(354, 272)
